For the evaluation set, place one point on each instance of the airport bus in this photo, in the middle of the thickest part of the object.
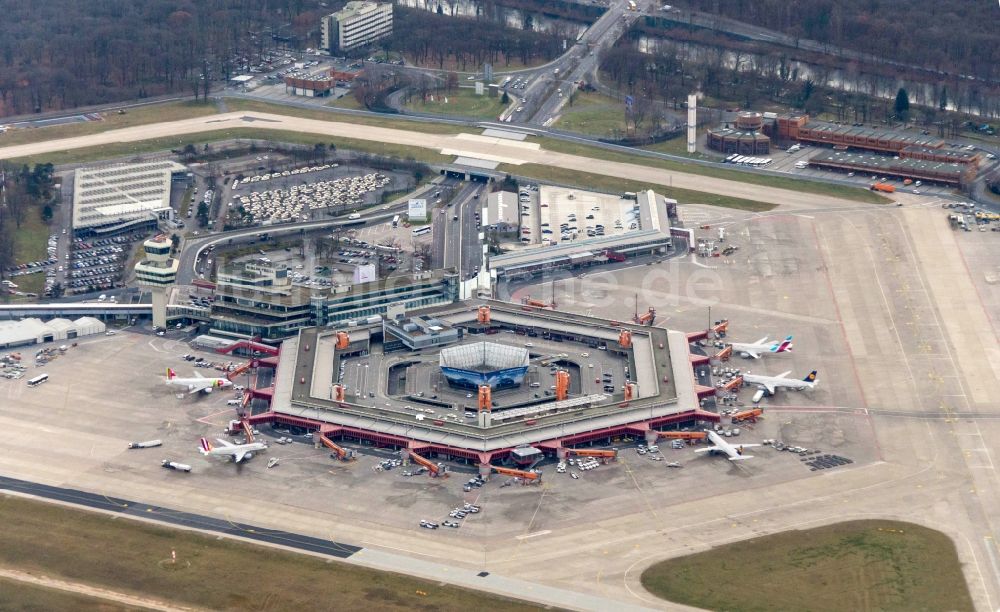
(420, 231)
(395, 221)
(731, 158)
(34, 382)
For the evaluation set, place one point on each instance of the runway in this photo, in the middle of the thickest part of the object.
(514, 152)
(178, 518)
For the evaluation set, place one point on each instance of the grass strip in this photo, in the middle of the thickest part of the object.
(218, 574)
(857, 565)
(601, 182)
(798, 184)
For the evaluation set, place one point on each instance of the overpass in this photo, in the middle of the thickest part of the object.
(99, 310)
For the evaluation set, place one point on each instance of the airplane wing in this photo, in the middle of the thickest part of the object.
(752, 354)
(194, 389)
(748, 445)
(198, 374)
(239, 456)
(224, 442)
(741, 457)
(706, 449)
(783, 374)
(761, 341)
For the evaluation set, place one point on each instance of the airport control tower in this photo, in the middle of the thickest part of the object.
(157, 271)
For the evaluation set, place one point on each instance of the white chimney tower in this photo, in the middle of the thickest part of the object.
(692, 122)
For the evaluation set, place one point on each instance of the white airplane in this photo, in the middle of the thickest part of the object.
(236, 452)
(198, 383)
(771, 383)
(721, 447)
(755, 349)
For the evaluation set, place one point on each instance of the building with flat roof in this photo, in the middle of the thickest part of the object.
(417, 333)
(744, 142)
(310, 86)
(638, 224)
(947, 155)
(412, 404)
(802, 129)
(259, 299)
(358, 24)
(501, 213)
(902, 168)
(122, 197)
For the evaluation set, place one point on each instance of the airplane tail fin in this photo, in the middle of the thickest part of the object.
(811, 378)
(206, 446)
(171, 374)
(785, 346)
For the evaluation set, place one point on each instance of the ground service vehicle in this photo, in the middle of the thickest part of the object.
(34, 382)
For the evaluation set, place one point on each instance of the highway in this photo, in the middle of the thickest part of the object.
(544, 96)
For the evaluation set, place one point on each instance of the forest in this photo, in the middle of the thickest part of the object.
(65, 53)
(430, 39)
(957, 36)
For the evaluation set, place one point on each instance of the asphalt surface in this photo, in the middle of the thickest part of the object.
(127, 507)
(193, 247)
(543, 95)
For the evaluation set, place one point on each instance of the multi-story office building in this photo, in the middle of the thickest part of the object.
(122, 197)
(356, 25)
(259, 299)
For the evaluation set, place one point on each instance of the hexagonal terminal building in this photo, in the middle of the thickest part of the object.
(470, 366)
(513, 378)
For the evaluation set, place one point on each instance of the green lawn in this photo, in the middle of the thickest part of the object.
(601, 182)
(678, 146)
(594, 114)
(186, 202)
(154, 113)
(858, 565)
(388, 121)
(102, 152)
(348, 101)
(463, 101)
(858, 194)
(210, 573)
(29, 283)
(15, 595)
(31, 238)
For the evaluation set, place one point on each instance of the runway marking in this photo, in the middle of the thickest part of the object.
(214, 414)
(531, 522)
(991, 553)
(533, 535)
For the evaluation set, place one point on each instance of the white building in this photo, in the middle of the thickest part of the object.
(35, 331)
(501, 212)
(157, 271)
(121, 197)
(356, 25)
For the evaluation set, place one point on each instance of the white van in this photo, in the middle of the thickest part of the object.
(354, 216)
